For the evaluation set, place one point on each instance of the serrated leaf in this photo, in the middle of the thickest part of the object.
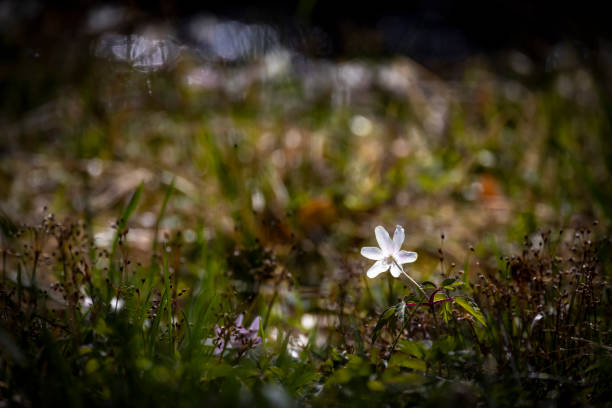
(469, 306)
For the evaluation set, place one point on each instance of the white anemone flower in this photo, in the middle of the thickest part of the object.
(86, 303)
(389, 255)
(117, 304)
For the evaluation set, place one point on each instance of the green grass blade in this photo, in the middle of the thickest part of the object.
(121, 224)
(168, 303)
(161, 214)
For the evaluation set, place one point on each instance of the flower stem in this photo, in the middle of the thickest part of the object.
(415, 283)
(390, 282)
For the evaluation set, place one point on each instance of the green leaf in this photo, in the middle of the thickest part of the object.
(375, 385)
(413, 299)
(439, 296)
(428, 285)
(414, 348)
(384, 319)
(446, 311)
(452, 284)
(470, 306)
(356, 367)
(404, 360)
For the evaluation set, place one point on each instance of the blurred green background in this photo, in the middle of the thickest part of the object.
(273, 131)
(252, 152)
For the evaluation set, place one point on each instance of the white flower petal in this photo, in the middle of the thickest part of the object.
(117, 303)
(384, 241)
(378, 268)
(403, 257)
(373, 253)
(398, 238)
(395, 270)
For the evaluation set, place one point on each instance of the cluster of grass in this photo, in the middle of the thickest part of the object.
(113, 330)
(200, 191)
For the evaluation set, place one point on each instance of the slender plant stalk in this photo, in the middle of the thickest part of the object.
(415, 283)
(168, 302)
